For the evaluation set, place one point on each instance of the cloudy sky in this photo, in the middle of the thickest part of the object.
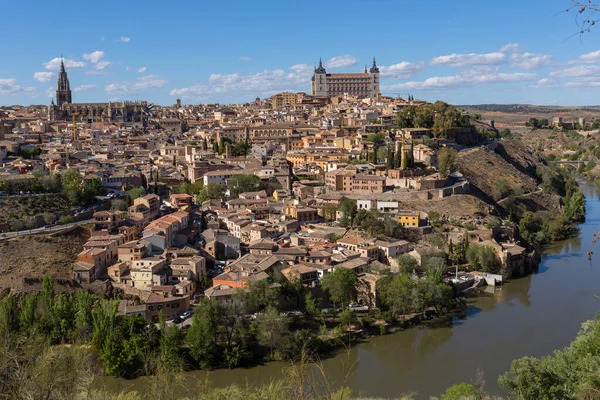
(463, 52)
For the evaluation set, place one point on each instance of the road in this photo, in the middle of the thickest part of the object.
(50, 229)
(539, 190)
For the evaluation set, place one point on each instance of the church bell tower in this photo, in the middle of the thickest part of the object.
(63, 91)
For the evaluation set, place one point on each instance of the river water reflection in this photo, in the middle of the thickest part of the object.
(531, 316)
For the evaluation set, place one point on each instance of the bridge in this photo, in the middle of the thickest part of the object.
(575, 164)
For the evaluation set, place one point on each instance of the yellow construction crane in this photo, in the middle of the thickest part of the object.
(75, 127)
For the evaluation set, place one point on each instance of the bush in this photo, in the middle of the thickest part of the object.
(65, 219)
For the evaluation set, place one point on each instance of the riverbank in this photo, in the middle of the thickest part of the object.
(529, 316)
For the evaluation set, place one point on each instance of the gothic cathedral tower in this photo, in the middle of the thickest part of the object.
(63, 91)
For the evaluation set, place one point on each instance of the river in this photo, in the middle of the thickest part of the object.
(530, 316)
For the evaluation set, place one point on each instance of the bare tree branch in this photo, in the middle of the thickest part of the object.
(585, 16)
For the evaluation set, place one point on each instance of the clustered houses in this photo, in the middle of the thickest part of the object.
(310, 153)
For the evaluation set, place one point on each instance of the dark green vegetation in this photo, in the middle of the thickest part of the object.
(446, 121)
(238, 149)
(212, 191)
(20, 212)
(78, 191)
(541, 228)
(570, 373)
(374, 222)
(35, 362)
(440, 116)
(236, 184)
(248, 330)
(402, 295)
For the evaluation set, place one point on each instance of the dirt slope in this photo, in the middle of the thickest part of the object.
(24, 260)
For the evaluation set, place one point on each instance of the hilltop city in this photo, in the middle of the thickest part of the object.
(327, 198)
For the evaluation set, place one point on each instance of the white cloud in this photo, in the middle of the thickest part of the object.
(583, 83)
(142, 70)
(125, 39)
(544, 83)
(341, 61)
(511, 48)
(100, 65)
(260, 83)
(54, 64)
(529, 60)
(9, 86)
(403, 69)
(43, 76)
(81, 88)
(94, 57)
(588, 58)
(577, 71)
(467, 78)
(141, 83)
(462, 60)
(245, 58)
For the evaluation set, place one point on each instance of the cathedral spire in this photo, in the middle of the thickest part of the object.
(63, 91)
(374, 68)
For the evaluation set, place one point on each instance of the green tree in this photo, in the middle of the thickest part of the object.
(348, 318)
(91, 188)
(272, 330)
(375, 138)
(258, 296)
(65, 219)
(136, 192)
(241, 149)
(311, 306)
(241, 183)
(389, 160)
(71, 182)
(348, 210)
(170, 346)
(446, 161)
(574, 207)
(9, 315)
(396, 293)
(202, 337)
(461, 391)
(483, 258)
(341, 285)
(407, 263)
(329, 212)
(212, 191)
(28, 313)
(434, 218)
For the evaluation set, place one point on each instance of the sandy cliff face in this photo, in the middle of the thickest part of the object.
(508, 171)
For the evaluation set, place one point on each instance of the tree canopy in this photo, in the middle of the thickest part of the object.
(241, 183)
(341, 285)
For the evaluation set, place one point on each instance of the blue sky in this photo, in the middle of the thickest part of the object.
(463, 51)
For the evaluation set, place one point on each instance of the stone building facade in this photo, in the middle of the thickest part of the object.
(123, 111)
(364, 84)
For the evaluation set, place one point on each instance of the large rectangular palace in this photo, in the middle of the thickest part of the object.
(364, 84)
